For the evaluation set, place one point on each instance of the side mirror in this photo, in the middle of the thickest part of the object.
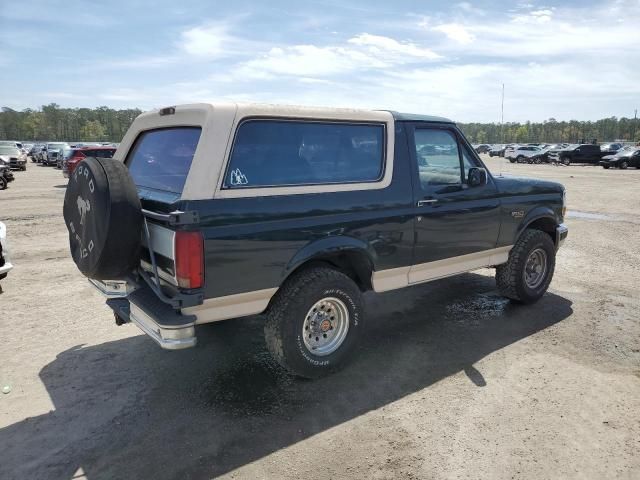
(477, 177)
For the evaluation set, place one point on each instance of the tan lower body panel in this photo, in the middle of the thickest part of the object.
(231, 306)
(391, 279)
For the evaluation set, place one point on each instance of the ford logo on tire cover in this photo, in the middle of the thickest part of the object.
(104, 218)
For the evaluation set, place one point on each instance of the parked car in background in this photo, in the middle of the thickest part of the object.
(583, 153)
(525, 154)
(497, 151)
(5, 176)
(482, 148)
(13, 157)
(509, 149)
(76, 155)
(12, 143)
(34, 150)
(5, 263)
(611, 147)
(54, 150)
(626, 157)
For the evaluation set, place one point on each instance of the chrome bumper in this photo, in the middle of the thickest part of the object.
(561, 234)
(139, 305)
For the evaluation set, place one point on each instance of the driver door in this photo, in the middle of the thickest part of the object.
(456, 224)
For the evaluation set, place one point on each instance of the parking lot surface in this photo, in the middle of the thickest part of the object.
(451, 381)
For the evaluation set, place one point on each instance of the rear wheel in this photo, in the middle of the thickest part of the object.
(528, 272)
(624, 165)
(314, 322)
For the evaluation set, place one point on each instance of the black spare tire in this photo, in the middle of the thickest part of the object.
(104, 218)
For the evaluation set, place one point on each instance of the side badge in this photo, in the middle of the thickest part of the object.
(517, 213)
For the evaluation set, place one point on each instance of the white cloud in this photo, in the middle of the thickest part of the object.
(456, 32)
(205, 41)
(534, 16)
(362, 52)
(379, 45)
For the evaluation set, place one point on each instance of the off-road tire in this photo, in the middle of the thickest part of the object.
(286, 315)
(510, 276)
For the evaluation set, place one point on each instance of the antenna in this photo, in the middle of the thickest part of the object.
(502, 126)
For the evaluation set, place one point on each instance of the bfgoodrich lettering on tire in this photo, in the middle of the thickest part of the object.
(528, 272)
(104, 218)
(314, 322)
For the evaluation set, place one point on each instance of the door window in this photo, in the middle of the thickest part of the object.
(438, 157)
(467, 163)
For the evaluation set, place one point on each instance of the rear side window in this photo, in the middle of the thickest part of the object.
(161, 159)
(279, 153)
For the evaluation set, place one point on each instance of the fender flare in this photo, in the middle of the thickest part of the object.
(535, 214)
(328, 246)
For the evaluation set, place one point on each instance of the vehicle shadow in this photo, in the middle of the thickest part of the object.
(60, 186)
(127, 409)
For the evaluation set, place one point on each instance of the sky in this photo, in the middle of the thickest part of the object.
(566, 60)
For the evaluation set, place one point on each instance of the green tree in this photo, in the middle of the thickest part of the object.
(92, 130)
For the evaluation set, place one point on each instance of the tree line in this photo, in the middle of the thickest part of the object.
(51, 122)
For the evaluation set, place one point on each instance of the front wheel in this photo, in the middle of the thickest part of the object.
(314, 322)
(527, 274)
(3, 183)
(606, 167)
(624, 165)
(566, 161)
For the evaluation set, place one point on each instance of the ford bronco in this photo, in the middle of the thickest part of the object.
(211, 212)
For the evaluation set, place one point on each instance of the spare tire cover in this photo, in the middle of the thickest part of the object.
(104, 218)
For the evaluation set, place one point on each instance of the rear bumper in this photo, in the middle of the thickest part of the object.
(561, 234)
(140, 305)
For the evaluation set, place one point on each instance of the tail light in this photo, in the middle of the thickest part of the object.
(189, 255)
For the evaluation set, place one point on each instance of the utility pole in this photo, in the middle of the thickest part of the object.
(502, 114)
(635, 120)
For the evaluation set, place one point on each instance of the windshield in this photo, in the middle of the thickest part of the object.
(6, 150)
(55, 146)
(161, 159)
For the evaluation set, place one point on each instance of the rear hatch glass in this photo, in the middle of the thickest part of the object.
(160, 159)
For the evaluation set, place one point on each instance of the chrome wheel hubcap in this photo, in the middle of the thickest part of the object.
(325, 326)
(535, 270)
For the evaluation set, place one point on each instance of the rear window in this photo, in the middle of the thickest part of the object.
(161, 159)
(278, 153)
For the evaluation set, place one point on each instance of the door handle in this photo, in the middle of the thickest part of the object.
(422, 203)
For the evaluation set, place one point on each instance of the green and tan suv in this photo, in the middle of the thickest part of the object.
(211, 212)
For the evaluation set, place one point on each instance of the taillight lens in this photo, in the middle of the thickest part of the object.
(189, 248)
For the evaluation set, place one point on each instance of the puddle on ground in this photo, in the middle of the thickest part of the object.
(588, 215)
(470, 311)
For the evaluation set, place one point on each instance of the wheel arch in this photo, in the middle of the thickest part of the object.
(353, 257)
(541, 218)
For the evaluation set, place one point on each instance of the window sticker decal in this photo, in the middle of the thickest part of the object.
(238, 178)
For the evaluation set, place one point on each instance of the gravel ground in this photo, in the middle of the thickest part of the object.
(451, 380)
